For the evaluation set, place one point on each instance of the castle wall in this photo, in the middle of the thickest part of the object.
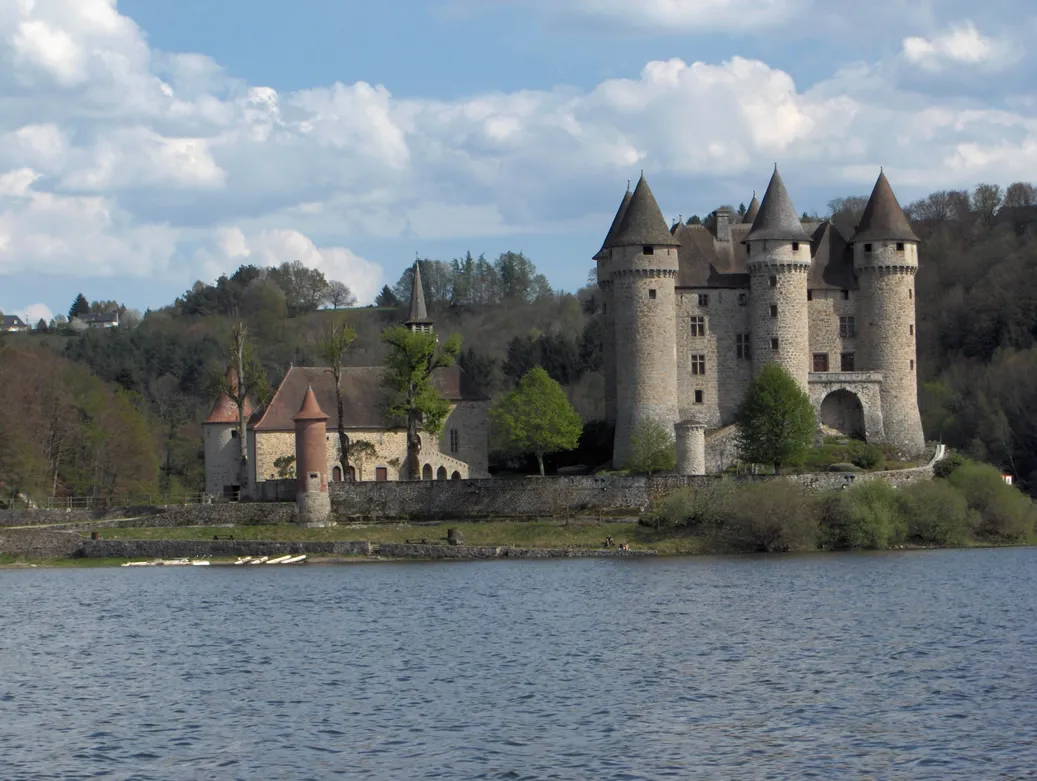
(887, 343)
(608, 310)
(222, 457)
(788, 268)
(645, 338)
(726, 375)
(823, 313)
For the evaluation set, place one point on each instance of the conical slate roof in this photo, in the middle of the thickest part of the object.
(643, 224)
(752, 211)
(883, 219)
(310, 409)
(777, 218)
(418, 312)
(610, 237)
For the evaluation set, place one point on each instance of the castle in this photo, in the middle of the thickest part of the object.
(462, 451)
(692, 314)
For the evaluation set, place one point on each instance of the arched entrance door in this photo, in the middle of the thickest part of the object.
(842, 411)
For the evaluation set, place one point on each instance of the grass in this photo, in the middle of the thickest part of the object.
(523, 534)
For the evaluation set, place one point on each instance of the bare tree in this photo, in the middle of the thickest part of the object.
(332, 347)
(339, 294)
(247, 379)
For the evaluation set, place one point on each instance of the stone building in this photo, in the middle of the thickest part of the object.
(460, 452)
(693, 313)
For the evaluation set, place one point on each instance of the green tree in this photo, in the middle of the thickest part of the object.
(387, 298)
(332, 347)
(411, 395)
(652, 448)
(79, 307)
(776, 422)
(536, 417)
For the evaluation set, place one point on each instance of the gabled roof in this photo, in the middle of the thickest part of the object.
(777, 218)
(418, 312)
(752, 211)
(103, 317)
(883, 219)
(643, 223)
(362, 396)
(610, 237)
(832, 260)
(13, 321)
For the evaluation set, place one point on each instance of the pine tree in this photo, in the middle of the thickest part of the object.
(79, 308)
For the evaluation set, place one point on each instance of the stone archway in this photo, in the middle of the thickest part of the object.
(426, 472)
(842, 410)
(441, 473)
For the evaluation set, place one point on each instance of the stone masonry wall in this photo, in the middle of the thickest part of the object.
(726, 316)
(789, 324)
(823, 312)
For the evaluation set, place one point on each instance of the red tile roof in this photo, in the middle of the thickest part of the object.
(225, 410)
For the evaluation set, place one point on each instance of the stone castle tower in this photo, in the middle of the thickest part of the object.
(692, 314)
(223, 473)
(312, 500)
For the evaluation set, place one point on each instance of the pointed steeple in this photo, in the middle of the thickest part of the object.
(310, 409)
(883, 219)
(643, 223)
(418, 319)
(752, 211)
(777, 218)
(616, 222)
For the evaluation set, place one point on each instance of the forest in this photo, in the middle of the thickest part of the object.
(106, 412)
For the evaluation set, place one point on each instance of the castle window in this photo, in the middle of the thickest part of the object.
(748, 249)
(455, 440)
(910, 293)
(698, 326)
(651, 293)
(810, 295)
(742, 347)
(795, 246)
(646, 250)
(703, 299)
(867, 248)
(846, 362)
(774, 281)
(698, 397)
(774, 344)
(743, 299)
(820, 362)
(233, 433)
(911, 330)
(381, 474)
(846, 295)
(900, 246)
(774, 310)
(847, 328)
(698, 365)
(912, 365)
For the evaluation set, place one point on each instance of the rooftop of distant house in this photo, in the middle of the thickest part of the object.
(13, 321)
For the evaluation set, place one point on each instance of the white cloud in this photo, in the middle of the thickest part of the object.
(960, 45)
(16, 184)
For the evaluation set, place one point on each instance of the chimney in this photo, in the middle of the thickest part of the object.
(724, 224)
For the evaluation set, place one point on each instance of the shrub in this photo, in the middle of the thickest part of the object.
(653, 448)
(947, 466)
(1005, 513)
(767, 517)
(936, 513)
(867, 456)
(698, 509)
(868, 515)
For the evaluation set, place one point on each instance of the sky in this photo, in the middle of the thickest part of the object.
(149, 144)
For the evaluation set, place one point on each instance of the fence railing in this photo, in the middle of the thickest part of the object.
(109, 502)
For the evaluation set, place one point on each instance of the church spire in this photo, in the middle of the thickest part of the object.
(418, 320)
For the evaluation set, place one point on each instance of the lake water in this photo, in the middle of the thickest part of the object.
(896, 665)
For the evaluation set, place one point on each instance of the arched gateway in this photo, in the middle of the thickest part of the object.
(842, 410)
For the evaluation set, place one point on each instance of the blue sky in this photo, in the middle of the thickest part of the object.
(148, 144)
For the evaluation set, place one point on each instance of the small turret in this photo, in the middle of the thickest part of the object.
(885, 258)
(222, 442)
(752, 211)
(311, 462)
(418, 319)
(779, 263)
(642, 270)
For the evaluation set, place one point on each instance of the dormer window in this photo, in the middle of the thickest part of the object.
(646, 250)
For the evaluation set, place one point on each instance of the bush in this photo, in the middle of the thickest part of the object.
(946, 467)
(697, 509)
(768, 517)
(653, 448)
(867, 515)
(867, 456)
(936, 513)
(1005, 513)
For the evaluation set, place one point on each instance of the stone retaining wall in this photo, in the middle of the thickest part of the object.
(40, 543)
(220, 514)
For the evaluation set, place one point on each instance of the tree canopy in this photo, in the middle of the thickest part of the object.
(652, 448)
(776, 423)
(536, 417)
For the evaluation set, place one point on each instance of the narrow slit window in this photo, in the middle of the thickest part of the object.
(774, 310)
(774, 345)
(810, 295)
(698, 397)
(774, 281)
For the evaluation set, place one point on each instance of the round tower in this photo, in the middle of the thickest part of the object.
(311, 463)
(691, 446)
(642, 270)
(222, 443)
(885, 258)
(779, 263)
(608, 309)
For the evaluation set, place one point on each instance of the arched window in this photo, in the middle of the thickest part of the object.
(336, 474)
(441, 473)
(426, 472)
(456, 475)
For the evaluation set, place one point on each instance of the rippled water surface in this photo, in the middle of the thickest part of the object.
(912, 665)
